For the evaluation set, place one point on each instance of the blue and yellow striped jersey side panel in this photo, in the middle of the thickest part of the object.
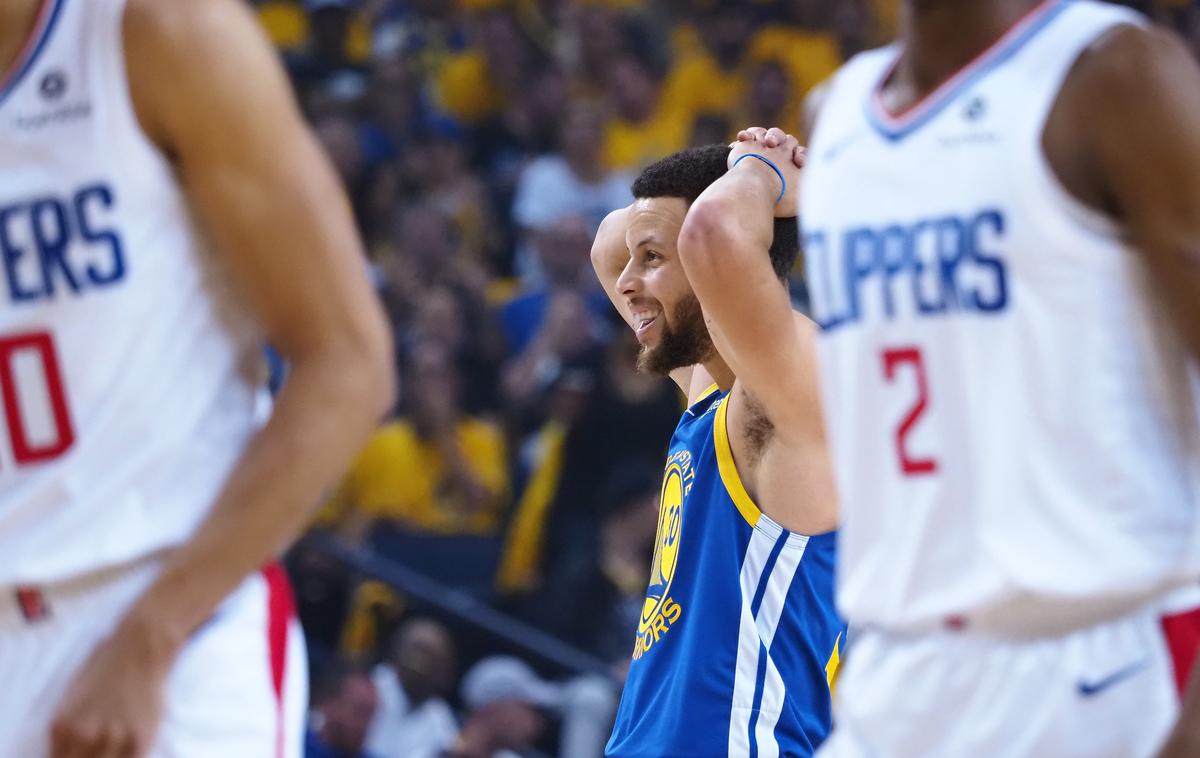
(739, 640)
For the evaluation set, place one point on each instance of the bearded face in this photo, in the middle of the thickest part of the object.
(662, 308)
(684, 341)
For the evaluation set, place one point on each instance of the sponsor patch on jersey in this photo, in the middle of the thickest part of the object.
(57, 103)
(53, 84)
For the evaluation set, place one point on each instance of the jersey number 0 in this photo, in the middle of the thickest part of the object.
(35, 406)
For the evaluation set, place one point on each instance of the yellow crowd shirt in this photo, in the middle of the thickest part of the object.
(398, 476)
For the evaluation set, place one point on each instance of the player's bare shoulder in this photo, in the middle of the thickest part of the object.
(1128, 54)
(1130, 74)
(175, 49)
(1128, 84)
(194, 24)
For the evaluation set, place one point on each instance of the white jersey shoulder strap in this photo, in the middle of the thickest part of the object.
(1040, 67)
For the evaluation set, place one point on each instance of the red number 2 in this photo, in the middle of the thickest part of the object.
(892, 359)
(35, 405)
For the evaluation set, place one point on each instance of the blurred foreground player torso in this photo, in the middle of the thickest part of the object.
(1004, 272)
(130, 371)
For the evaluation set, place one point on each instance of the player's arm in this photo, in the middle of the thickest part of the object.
(723, 247)
(1131, 103)
(209, 90)
(610, 256)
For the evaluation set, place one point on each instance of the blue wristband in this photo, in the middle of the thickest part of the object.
(766, 160)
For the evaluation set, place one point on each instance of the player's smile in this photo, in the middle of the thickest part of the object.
(644, 326)
(644, 319)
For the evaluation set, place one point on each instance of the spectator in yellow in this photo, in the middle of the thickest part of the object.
(769, 98)
(475, 85)
(807, 54)
(288, 24)
(714, 77)
(591, 36)
(433, 469)
(710, 79)
(318, 38)
(646, 126)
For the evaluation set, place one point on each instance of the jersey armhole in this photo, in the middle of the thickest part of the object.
(1044, 182)
(1089, 217)
(727, 468)
(116, 71)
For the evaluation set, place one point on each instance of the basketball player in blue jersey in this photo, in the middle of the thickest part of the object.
(738, 637)
(1001, 222)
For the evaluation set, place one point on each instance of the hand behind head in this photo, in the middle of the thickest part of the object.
(784, 151)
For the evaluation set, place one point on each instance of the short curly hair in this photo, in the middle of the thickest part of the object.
(688, 173)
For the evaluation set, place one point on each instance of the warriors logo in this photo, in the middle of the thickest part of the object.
(659, 611)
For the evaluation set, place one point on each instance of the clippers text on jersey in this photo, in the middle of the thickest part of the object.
(54, 244)
(929, 267)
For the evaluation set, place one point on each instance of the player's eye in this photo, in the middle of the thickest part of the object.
(652, 256)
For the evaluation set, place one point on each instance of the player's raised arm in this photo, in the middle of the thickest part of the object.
(209, 91)
(609, 256)
(724, 247)
(1131, 106)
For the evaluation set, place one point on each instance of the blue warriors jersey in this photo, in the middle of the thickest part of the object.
(739, 638)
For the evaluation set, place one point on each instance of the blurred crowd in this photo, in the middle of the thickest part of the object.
(481, 143)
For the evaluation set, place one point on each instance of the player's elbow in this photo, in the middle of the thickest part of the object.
(385, 388)
(377, 368)
(599, 259)
(360, 361)
(707, 237)
(608, 247)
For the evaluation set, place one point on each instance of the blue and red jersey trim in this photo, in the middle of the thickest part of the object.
(46, 18)
(896, 126)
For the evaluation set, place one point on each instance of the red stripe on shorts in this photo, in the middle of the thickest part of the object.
(280, 609)
(1182, 631)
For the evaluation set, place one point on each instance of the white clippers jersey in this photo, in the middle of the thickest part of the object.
(1013, 422)
(124, 372)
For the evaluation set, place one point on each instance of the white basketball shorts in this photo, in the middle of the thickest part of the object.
(1108, 691)
(238, 690)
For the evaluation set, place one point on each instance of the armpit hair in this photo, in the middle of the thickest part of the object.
(759, 428)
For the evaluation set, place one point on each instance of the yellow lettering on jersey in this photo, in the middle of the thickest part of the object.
(672, 611)
(659, 627)
(668, 615)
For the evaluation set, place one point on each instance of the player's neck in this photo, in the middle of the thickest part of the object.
(720, 372)
(17, 18)
(942, 36)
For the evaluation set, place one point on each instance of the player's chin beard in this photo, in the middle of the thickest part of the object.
(686, 344)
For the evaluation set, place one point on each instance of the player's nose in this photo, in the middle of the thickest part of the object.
(629, 283)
